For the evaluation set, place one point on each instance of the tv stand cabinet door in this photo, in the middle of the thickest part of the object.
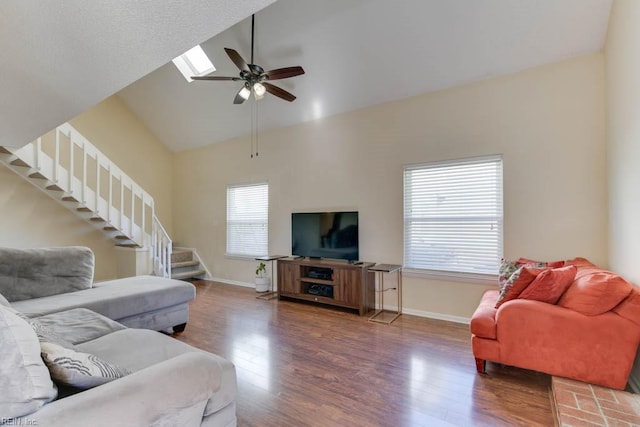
(288, 278)
(348, 284)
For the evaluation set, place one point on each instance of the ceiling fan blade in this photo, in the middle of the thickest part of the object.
(238, 99)
(237, 59)
(284, 73)
(279, 92)
(215, 78)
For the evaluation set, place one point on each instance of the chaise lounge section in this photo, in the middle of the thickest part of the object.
(42, 281)
(163, 382)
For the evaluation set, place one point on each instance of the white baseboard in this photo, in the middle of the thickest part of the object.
(437, 316)
(233, 282)
(419, 313)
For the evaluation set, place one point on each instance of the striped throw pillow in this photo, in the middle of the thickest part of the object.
(77, 369)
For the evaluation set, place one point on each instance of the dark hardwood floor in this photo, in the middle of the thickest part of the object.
(300, 364)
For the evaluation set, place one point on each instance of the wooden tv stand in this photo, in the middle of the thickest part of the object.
(336, 283)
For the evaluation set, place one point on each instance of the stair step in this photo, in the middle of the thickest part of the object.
(181, 256)
(129, 245)
(37, 175)
(20, 162)
(130, 235)
(188, 274)
(184, 264)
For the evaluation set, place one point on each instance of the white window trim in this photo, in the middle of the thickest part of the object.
(454, 276)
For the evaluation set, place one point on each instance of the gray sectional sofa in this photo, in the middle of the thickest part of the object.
(146, 378)
(42, 281)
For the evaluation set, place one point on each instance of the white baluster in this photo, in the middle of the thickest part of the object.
(97, 184)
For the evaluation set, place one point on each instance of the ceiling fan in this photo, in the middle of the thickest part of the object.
(254, 77)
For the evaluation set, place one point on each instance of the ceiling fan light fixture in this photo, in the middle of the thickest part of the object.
(259, 90)
(253, 75)
(244, 93)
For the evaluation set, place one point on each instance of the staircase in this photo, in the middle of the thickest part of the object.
(185, 265)
(67, 167)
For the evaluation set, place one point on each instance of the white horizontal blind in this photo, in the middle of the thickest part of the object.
(248, 219)
(453, 216)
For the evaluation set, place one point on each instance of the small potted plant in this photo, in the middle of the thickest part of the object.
(262, 280)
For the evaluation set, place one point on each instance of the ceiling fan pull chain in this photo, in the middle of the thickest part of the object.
(255, 105)
(251, 138)
(254, 126)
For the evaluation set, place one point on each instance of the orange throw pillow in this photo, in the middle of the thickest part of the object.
(518, 282)
(549, 285)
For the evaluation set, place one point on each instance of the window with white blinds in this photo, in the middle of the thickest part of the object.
(453, 216)
(248, 220)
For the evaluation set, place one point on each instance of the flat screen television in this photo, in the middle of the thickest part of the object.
(325, 235)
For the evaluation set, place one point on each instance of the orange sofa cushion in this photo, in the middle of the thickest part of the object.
(629, 308)
(580, 262)
(550, 284)
(595, 291)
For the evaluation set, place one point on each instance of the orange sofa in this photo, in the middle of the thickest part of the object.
(591, 334)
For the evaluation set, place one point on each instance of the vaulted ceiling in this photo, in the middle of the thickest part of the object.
(61, 58)
(358, 53)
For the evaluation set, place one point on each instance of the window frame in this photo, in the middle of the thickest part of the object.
(457, 275)
(189, 63)
(264, 222)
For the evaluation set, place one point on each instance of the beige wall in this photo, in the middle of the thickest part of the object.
(122, 137)
(623, 144)
(623, 137)
(30, 218)
(547, 122)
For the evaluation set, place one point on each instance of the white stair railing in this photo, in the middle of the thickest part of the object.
(74, 166)
(162, 246)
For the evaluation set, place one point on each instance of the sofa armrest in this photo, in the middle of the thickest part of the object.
(174, 392)
(560, 341)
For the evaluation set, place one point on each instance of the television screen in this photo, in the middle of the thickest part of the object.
(325, 235)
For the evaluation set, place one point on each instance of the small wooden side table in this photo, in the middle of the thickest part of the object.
(270, 294)
(381, 315)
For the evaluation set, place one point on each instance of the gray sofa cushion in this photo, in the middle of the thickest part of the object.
(116, 299)
(35, 273)
(25, 385)
(78, 325)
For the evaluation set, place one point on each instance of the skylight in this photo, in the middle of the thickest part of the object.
(194, 62)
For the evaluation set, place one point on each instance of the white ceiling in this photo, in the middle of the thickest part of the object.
(358, 53)
(61, 57)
